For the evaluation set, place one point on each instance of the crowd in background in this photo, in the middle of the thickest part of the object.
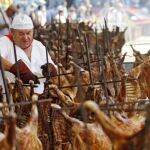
(83, 10)
(122, 13)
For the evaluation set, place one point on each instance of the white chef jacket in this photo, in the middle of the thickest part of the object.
(38, 57)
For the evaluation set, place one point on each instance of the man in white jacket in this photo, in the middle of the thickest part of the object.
(30, 53)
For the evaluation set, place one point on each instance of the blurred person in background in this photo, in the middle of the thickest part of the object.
(106, 8)
(41, 15)
(117, 16)
(31, 7)
(31, 54)
(31, 11)
(90, 16)
(65, 8)
(61, 15)
(136, 3)
(127, 3)
(50, 14)
(81, 17)
(53, 3)
(6, 19)
(72, 14)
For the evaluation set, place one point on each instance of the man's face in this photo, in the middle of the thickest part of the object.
(23, 38)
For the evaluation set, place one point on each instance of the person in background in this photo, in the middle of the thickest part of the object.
(6, 19)
(72, 14)
(41, 15)
(31, 54)
(50, 14)
(81, 13)
(61, 15)
(65, 8)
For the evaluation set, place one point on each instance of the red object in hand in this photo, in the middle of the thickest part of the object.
(51, 67)
(25, 74)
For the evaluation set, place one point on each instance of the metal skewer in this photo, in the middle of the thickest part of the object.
(4, 81)
(17, 65)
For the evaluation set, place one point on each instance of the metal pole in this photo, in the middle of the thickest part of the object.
(4, 18)
(68, 36)
(81, 47)
(47, 63)
(88, 60)
(17, 65)
(4, 81)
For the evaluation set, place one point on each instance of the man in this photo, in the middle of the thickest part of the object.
(41, 15)
(62, 15)
(6, 19)
(31, 54)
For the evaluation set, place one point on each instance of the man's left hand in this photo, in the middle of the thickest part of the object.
(49, 68)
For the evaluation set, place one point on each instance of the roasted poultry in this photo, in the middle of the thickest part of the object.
(8, 139)
(27, 137)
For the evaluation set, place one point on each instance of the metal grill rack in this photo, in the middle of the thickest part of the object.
(51, 132)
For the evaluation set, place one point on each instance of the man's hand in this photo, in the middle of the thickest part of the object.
(25, 74)
(49, 68)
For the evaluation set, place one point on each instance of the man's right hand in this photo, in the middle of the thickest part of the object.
(25, 74)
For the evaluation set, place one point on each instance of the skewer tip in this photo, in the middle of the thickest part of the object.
(55, 106)
(91, 105)
(34, 97)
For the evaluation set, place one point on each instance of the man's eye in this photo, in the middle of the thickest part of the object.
(21, 34)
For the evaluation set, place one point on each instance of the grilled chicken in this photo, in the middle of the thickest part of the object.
(27, 137)
(118, 132)
(8, 140)
(90, 135)
(141, 73)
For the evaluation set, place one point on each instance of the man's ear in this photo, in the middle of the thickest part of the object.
(12, 32)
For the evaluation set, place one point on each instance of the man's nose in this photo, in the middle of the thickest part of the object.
(25, 37)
